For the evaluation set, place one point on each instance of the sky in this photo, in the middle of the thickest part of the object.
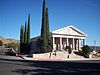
(83, 14)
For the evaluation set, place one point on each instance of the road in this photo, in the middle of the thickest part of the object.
(10, 65)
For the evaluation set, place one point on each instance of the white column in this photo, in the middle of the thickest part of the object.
(53, 43)
(67, 42)
(79, 44)
(60, 43)
(73, 44)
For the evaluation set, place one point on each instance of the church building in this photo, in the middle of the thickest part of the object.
(67, 36)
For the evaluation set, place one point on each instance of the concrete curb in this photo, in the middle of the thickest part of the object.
(56, 59)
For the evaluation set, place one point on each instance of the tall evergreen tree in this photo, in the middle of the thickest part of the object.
(21, 35)
(1, 43)
(25, 37)
(21, 38)
(28, 35)
(48, 34)
(25, 33)
(28, 30)
(43, 40)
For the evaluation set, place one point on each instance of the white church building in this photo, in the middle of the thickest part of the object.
(67, 36)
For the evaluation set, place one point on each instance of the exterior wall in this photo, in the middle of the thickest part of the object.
(34, 45)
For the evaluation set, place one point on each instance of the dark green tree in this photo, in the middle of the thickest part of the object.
(43, 40)
(25, 37)
(25, 33)
(21, 38)
(86, 51)
(48, 35)
(28, 30)
(1, 43)
(22, 34)
(28, 35)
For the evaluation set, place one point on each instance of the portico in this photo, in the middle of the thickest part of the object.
(68, 36)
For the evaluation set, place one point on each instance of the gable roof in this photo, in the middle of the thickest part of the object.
(69, 30)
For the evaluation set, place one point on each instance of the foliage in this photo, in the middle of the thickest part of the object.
(48, 34)
(28, 36)
(45, 39)
(22, 39)
(25, 33)
(86, 50)
(28, 30)
(25, 37)
(1, 43)
(69, 49)
(13, 45)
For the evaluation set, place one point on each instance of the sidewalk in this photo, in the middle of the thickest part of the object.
(59, 59)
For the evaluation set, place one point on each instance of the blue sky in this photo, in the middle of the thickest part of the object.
(83, 14)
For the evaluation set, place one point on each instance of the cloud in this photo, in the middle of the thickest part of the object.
(90, 3)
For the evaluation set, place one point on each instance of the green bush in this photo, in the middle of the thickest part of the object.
(86, 50)
(1, 43)
(13, 45)
(69, 49)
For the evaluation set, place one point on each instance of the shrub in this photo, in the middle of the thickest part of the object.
(13, 45)
(1, 43)
(86, 50)
(69, 49)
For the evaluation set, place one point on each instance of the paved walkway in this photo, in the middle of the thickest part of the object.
(58, 59)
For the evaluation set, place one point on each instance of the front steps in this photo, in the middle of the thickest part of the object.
(64, 55)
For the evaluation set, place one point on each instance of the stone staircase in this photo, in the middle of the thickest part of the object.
(64, 55)
(58, 55)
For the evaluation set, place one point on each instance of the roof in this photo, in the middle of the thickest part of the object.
(35, 38)
(69, 30)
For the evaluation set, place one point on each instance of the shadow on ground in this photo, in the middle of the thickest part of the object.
(78, 53)
(55, 67)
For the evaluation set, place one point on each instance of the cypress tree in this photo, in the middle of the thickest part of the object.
(28, 35)
(28, 30)
(21, 34)
(48, 35)
(23, 31)
(43, 40)
(21, 38)
(1, 43)
(23, 43)
(25, 38)
(25, 34)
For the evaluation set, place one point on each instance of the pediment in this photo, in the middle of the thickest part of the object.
(69, 30)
